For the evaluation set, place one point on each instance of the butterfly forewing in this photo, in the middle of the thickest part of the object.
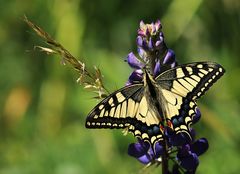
(191, 80)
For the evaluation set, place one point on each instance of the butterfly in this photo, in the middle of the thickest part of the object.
(144, 108)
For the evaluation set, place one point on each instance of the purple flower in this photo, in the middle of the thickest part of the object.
(189, 162)
(150, 44)
(157, 69)
(188, 154)
(143, 152)
(142, 53)
(200, 146)
(139, 41)
(137, 74)
(197, 116)
(169, 57)
(135, 77)
(160, 41)
(151, 48)
(134, 62)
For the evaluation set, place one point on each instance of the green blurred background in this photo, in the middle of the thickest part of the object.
(43, 109)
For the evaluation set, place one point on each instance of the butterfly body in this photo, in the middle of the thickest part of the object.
(146, 107)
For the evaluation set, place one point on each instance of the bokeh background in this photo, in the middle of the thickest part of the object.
(43, 109)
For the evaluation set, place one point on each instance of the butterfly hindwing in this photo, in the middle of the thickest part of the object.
(181, 86)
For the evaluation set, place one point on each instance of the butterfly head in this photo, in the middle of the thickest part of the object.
(147, 71)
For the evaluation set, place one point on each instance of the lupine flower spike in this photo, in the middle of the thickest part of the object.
(180, 148)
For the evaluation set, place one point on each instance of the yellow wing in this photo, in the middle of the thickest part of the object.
(127, 108)
(181, 86)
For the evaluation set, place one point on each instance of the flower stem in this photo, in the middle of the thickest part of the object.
(165, 158)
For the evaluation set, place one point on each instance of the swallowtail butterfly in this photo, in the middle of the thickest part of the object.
(168, 99)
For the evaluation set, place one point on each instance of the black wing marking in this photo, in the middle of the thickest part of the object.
(191, 80)
(184, 84)
(127, 108)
